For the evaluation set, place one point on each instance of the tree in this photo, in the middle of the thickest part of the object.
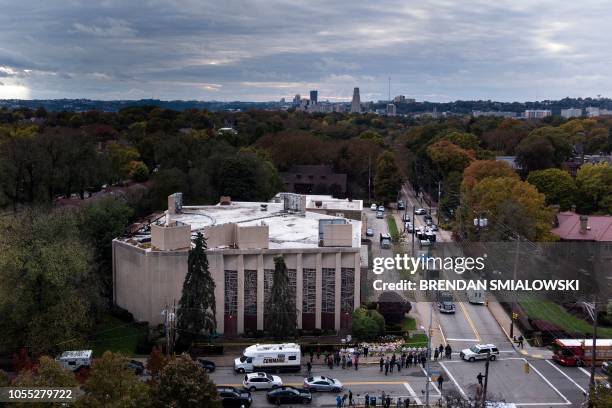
(100, 223)
(48, 293)
(112, 384)
(388, 180)
(47, 373)
(166, 182)
(544, 148)
(156, 363)
(281, 316)
(448, 157)
(197, 307)
(594, 182)
(184, 384)
(367, 324)
(481, 169)
(120, 156)
(138, 171)
(556, 184)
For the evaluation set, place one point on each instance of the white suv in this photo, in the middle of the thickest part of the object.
(261, 381)
(479, 352)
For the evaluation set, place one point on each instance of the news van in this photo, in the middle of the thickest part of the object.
(269, 358)
(74, 360)
(476, 297)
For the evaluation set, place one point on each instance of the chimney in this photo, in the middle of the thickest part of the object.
(584, 220)
(225, 200)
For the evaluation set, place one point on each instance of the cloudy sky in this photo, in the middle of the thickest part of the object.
(258, 50)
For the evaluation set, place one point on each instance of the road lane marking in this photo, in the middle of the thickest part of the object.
(584, 371)
(413, 394)
(469, 319)
(453, 380)
(442, 333)
(541, 403)
(547, 382)
(566, 376)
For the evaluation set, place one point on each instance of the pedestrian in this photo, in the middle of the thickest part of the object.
(367, 401)
(387, 366)
(441, 349)
(350, 399)
(520, 341)
(337, 358)
(407, 403)
(388, 402)
(344, 398)
(338, 401)
(392, 363)
(479, 377)
(449, 351)
(311, 355)
(382, 363)
(399, 366)
(343, 361)
(403, 360)
(423, 360)
(309, 368)
(440, 381)
(330, 362)
(365, 351)
(409, 360)
(356, 362)
(436, 354)
(318, 352)
(399, 403)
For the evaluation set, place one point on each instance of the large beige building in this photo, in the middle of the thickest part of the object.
(318, 236)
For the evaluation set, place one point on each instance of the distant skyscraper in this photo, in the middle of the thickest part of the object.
(313, 97)
(296, 100)
(356, 103)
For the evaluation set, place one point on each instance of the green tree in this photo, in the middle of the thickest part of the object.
(388, 180)
(556, 184)
(138, 171)
(594, 182)
(367, 324)
(448, 157)
(281, 316)
(112, 384)
(184, 384)
(166, 182)
(120, 156)
(48, 292)
(544, 148)
(197, 307)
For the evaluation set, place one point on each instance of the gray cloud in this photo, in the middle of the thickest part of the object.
(264, 50)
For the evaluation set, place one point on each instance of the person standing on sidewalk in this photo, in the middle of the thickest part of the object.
(449, 352)
(392, 363)
(520, 341)
(403, 360)
(382, 364)
(479, 377)
(441, 349)
(387, 366)
(351, 399)
(356, 362)
(365, 352)
(440, 382)
(309, 368)
(367, 401)
(343, 362)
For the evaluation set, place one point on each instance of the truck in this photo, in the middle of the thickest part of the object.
(476, 297)
(385, 240)
(75, 360)
(275, 358)
(578, 352)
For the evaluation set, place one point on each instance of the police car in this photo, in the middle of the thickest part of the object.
(479, 352)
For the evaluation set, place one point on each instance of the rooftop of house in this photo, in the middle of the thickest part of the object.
(598, 227)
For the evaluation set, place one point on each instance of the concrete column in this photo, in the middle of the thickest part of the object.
(219, 278)
(260, 292)
(337, 293)
(240, 273)
(299, 289)
(318, 290)
(357, 294)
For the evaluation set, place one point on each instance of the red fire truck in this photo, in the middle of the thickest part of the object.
(578, 352)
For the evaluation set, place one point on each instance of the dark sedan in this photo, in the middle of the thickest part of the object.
(207, 365)
(232, 397)
(289, 395)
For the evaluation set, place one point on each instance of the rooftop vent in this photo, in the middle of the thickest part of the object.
(263, 207)
(225, 200)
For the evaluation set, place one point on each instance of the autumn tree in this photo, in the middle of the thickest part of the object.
(184, 384)
(197, 307)
(447, 156)
(156, 363)
(47, 373)
(112, 384)
(556, 184)
(481, 169)
(388, 180)
(594, 182)
(280, 308)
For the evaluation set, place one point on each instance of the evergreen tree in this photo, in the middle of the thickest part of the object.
(281, 318)
(388, 180)
(197, 308)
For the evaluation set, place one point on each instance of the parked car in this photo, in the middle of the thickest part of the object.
(409, 227)
(406, 218)
(289, 395)
(381, 208)
(137, 366)
(479, 352)
(322, 383)
(380, 215)
(261, 381)
(232, 397)
(207, 365)
(420, 211)
(369, 232)
(433, 227)
(401, 205)
(446, 307)
(373, 207)
(428, 217)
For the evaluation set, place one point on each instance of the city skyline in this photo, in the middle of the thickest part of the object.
(203, 51)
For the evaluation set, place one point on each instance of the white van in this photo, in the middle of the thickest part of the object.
(476, 297)
(74, 360)
(269, 358)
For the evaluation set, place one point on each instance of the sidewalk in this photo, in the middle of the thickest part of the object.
(504, 322)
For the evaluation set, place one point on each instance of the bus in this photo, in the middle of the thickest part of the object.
(578, 352)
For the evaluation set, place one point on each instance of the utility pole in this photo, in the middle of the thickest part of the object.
(514, 273)
(428, 352)
(369, 179)
(594, 345)
(413, 227)
(486, 381)
(439, 195)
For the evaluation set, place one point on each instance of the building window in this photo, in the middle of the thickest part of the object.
(250, 292)
(328, 290)
(347, 289)
(292, 275)
(231, 292)
(268, 281)
(309, 289)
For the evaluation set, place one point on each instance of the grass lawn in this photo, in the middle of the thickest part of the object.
(115, 335)
(417, 340)
(553, 313)
(408, 324)
(392, 228)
